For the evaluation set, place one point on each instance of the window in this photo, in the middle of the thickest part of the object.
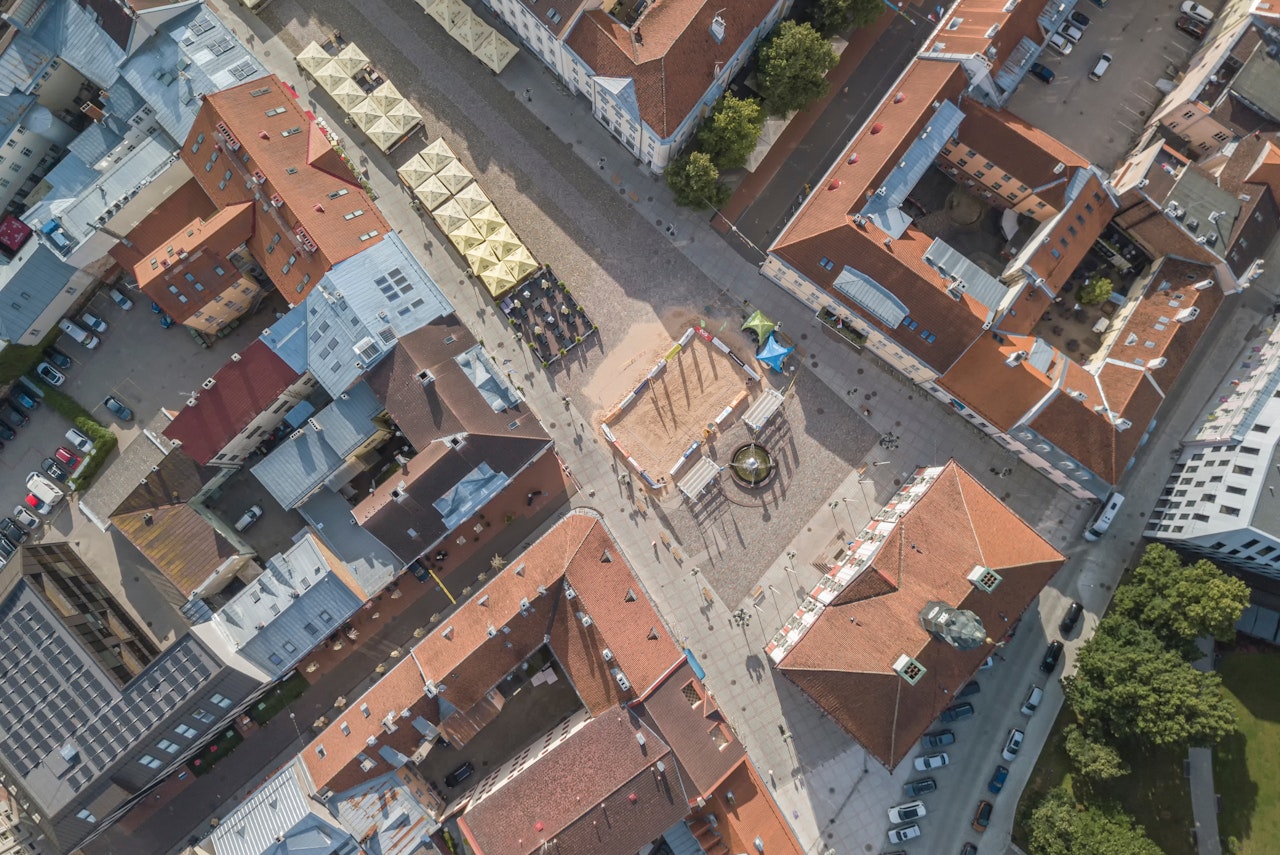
(909, 323)
(221, 700)
(353, 214)
(26, 152)
(1228, 510)
(203, 715)
(166, 745)
(345, 728)
(1244, 449)
(929, 337)
(275, 111)
(826, 263)
(186, 731)
(320, 751)
(86, 816)
(218, 270)
(336, 193)
(326, 617)
(149, 761)
(364, 710)
(1055, 253)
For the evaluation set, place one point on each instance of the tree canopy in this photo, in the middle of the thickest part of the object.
(1181, 602)
(793, 68)
(836, 16)
(696, 182)
(1098, 761)
(729, 134)
(1096, 290)
(1060, 827)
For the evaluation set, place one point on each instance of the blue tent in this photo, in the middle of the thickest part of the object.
(772, 354)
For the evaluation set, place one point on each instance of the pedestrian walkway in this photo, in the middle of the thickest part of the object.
(1204, 797)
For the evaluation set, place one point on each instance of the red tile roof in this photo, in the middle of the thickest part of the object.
(243, 389)
(744, 811)
(189, 202)
(199, 250)
(845, 660)
(999, 392)
(674, 59)
(966, 31)
(295, 179)
(1072, 235)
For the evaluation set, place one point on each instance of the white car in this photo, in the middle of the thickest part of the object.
(932, 761)
(78, 334)
(120, 299)
(1195, 10)
(906, 812)
(79, 441)
(1071, 33)
(1095, 73)
(1012, 744)
(902, 835)
(93, 322)
(1059, 43)
(1032, 703)
(25, 517)
(44, 489)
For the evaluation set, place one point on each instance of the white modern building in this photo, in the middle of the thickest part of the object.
(1220, 502)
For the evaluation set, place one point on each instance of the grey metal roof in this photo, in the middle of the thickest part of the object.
(287, 338)
(28, 284)
(22, 63)
(1016, 66)
(115, 482)
(399, 822)
(84, 45)
(958, 273)
(1258, 85)
(150, 157)
(366, 557)
(12, 108)
(871, 295)
(883, 207)
(209, 57)
(290, 608)
(469, 495)
(94, 142)
(1209, 211)
(484, 375)
(64, 183)
(280, 818)
(347, 421)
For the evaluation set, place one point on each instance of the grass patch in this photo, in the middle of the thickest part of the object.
(1245, 771)
(104, 441)
(273, 702)
(1154, 793)
(16, 359)
(214, 751)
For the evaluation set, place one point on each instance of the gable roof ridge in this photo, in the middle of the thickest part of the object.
(893, 728)
(964, 504)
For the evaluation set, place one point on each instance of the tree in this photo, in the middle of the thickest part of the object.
(1096, 290)
(1096, 760)
(696, 182)
(793, 68)
(1181, 602)
(729, 134)
(836, 16)
(1129, 686)
(1059, 827)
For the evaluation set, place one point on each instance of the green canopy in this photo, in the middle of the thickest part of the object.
(759, 324)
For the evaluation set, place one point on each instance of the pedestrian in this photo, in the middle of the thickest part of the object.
(528, 95)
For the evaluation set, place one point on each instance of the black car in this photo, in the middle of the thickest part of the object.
(1071, 618)
(24, 399)
(920, 786)
(1080, 20)
(57, 357)
(13, 414)
(1051, 656)
(6, 432)
(970, 688)
(7, 547)
(10, 528)
(1189, 25)
(955, 712)
(1041, 72)
(54, 469)
(457, 776)
(938, 739)
(968, 849)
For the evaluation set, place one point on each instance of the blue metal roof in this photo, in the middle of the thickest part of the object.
(883, 207)
(961, 276)
(287, 338)
(148, 159)
(94, 142)
(345, 422)
(366, 557)
(12, 108)
(22, 63)
(84, 45)
(28, 284)
(469, 495)
(483, 374)
(872, 296)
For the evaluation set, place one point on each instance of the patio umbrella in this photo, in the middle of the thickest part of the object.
(432, 193)
(404, 115)
(498, 280)
(449, 216)
(386, 96)
(365, 114)
(384, 133)
(313, 58)
(437, 155)
(488, 220)
(520, 262)
(482, 257)
(455, 176)
(439, 9)
(414, 171)
(472, 199)
(330, 75)
(464, 237)
(352, 59)
(471, 32)
(504, 241)
(347, 93)
(760, 325)
(496, 53)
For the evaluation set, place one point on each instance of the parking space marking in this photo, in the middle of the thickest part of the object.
(135, 392)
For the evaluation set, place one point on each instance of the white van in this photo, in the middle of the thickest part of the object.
(78, 333)
(1106, 516)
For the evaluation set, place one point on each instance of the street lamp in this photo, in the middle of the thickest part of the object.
(756, 606)
(775, 606)
(795, 585)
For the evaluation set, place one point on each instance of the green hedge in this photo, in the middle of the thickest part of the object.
(104, 441)
(289, 690)
(16, 360)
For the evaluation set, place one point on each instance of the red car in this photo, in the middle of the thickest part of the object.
(1189, 25)
(66, 456)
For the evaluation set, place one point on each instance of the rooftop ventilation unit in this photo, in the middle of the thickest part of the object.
(208, 384)
(909, 669)
(983, 578)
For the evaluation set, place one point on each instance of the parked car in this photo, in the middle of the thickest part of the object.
(1195, 10)
(1071, 618)
(44, 488)
(117, 408)
(1012, 744)
(24, 399)
(38, 504)
(50, 375)
(166, 321)
(906, 812)
(1080, 19)
(925, 762)
(249, 517)
(64, 455)
(1100, 67)
(1060, 44)
(938, 739)
(120, 299)
(998, 777)
(6, 432)
(25, 517)
(1034, 696)
(57, 357)
(11, 529)
(54, 469)
(93, 322)
(956, 712)
(1189, 25)
(1051, 656)
(78, 334)
(1042, 72)
(12, 414)
(920, 786)
(972, 848)
(7, 550)
(1071, 33)
(902, 835)
(457, 776)
(79, 441)
(982, 816)
(1101, 4)
(970, 688)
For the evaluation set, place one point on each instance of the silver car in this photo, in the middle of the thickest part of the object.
(93, 322)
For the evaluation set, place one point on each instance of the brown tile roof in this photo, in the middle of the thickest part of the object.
(567, 10)
(317, 195)
(243, 389)
(956, 525)
(964, 32)
(744, 811)
(609, 796)
(999, 392)
(199, 250)
(674, 60)
(1028, 154)
(1072, 235)
(186, 204)
(177, 540)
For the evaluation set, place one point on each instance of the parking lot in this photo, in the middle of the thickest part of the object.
(1101, 119)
